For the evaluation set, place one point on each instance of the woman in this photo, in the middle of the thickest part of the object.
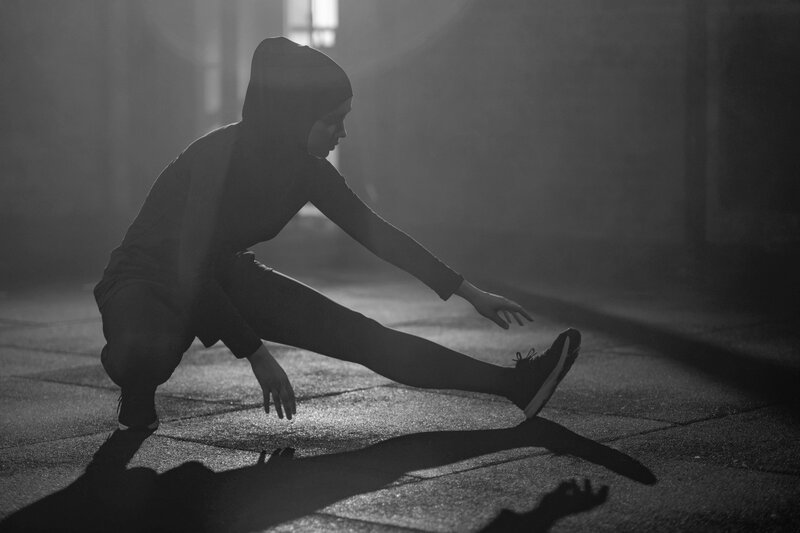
(182, 270)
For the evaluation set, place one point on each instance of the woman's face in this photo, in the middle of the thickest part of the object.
(326, 132)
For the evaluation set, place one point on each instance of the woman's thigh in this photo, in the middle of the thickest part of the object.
(283, 310)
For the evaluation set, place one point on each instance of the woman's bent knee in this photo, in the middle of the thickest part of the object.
(139, 360)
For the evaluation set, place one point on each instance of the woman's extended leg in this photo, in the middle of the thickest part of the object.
(286, 311)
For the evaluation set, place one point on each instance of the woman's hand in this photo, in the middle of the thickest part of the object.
(274, 382)
(492, 305)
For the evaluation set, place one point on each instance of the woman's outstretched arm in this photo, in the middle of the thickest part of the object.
(332, 196)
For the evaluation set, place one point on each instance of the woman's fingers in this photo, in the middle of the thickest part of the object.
(515, 309)
(510, 312)
(497, 320)
(277, 399)
(508, 318)
(292, 405)
(286, 402)
(504, 312)
(283, 398)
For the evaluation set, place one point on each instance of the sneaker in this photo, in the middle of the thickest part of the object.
(540, 374)
(137, 411)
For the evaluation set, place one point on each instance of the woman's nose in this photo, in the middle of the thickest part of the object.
(342, 133)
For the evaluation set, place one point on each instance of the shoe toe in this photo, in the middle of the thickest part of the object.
(574, 337)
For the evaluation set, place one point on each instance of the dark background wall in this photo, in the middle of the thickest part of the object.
(636, 133)
(54, 131)
(616, 136)
(527, 122)
(94, 104)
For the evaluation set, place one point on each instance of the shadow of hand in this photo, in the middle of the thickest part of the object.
(568, 498)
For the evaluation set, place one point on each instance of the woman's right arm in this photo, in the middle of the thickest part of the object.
(274, 382)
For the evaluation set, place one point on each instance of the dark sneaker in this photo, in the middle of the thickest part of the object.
(137, 411)
(540, 374)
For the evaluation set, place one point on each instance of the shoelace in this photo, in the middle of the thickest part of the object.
(528, 359)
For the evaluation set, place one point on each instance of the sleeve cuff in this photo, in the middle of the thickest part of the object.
(244, 346)
(446, 290)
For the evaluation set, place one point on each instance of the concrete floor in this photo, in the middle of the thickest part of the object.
(677, 414)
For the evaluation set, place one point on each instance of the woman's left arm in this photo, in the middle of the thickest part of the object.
(334, 198)
(331, 195)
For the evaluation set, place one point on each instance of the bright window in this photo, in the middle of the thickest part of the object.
(312, 22)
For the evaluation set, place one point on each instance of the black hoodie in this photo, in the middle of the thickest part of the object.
(240, 185)
(291, 87)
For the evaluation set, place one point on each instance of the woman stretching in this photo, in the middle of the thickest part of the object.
(183, 269)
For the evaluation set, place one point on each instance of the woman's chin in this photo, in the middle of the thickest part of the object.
(320, 154)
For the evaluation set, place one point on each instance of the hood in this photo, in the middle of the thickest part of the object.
(291, 87)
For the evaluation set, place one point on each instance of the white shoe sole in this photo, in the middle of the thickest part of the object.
(549, 385)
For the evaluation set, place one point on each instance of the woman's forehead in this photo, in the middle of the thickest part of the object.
(342, 109)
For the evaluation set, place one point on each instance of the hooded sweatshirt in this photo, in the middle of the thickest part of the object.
(240, 185)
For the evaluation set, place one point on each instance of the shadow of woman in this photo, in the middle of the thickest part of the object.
(191, 497)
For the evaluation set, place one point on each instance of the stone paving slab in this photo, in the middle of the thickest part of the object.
(773, 341)
(766, 439)
(31, 472)
(641, 383)
(695, 496)
(574, 429)
(347, 421)
(331, 523)
(676, 308)
(18, 362)
(36, 411)
(215, 375)
(687, 497)
(233, 491)
(84, 338)
(353, 421)
(233, 381)
(647, 386)
(311, 375)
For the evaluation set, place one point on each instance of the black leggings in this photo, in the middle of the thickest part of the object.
(146, 336)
